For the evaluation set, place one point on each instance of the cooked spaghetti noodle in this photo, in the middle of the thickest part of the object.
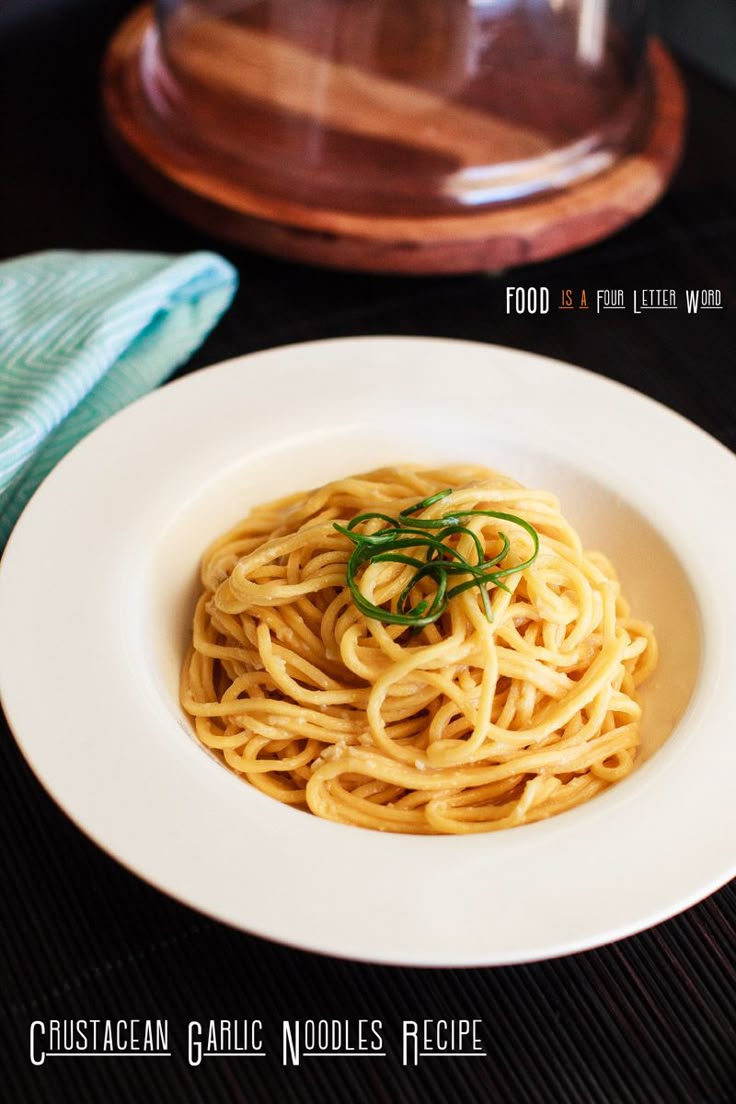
(483, 719)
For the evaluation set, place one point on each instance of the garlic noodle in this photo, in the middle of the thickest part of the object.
(502, 692)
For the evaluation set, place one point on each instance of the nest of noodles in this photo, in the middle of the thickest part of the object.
(465, 725)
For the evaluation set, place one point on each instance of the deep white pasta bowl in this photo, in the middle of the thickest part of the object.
(97, 587)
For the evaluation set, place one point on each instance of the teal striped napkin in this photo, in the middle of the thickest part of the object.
(81, 336)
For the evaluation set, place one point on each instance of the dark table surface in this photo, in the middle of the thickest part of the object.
(648, 1019)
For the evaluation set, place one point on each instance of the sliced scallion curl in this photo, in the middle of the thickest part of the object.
(408, 533)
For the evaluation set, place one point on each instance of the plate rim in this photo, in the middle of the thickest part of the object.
(68, 463)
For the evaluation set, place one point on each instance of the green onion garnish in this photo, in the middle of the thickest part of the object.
(421, 543)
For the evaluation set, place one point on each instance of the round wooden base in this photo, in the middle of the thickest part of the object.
(492, 240)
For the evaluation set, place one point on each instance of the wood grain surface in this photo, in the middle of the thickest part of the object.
(488, 240)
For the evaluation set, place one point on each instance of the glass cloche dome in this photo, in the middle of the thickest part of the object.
(411, 107)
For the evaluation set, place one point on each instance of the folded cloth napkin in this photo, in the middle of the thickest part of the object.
(81, 336)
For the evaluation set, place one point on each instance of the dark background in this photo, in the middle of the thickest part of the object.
(649, 1019)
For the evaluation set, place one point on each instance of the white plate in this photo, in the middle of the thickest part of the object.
(96, 591)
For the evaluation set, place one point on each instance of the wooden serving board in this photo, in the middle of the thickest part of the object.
(492, 240)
